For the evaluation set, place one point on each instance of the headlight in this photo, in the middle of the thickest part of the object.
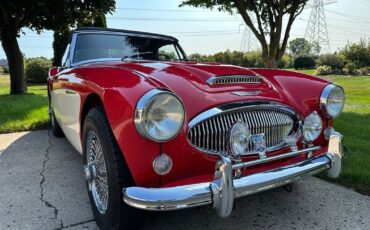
(159, 115)
(239, 136)
(332, 100)
(312, 127)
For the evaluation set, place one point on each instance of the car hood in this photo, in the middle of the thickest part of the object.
(169, 73)
(189, 81)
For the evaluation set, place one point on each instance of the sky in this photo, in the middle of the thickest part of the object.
(206, 32)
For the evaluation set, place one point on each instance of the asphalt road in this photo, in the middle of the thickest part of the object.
(42, 187)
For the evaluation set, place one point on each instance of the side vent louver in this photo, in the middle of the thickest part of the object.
(234, 79)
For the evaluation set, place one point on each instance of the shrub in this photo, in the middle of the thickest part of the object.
(304, 62)
(350, 68)
(345, 71)
(358, 53)
(337, 71)
(253, 59)
(285, 62)
(333, 60)
(5, 69)
(324, 70)
(361, 71)
(37, 70)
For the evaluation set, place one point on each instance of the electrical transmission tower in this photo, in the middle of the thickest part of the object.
(249, 41)
(317, 30)
(245, 45)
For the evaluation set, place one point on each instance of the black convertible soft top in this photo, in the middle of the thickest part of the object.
(81, 29)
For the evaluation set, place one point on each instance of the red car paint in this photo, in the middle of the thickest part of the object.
(120, 85)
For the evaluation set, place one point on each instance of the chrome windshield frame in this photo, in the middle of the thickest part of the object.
(77, 33)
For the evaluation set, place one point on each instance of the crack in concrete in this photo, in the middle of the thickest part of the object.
(77, 224)
(47, 203)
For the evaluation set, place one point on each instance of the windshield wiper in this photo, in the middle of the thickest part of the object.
(135, 55)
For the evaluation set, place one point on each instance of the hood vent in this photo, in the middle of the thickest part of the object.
(234, 79)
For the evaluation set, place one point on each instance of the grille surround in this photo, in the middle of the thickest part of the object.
(228, 114)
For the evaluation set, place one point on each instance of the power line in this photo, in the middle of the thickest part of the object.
(175, 19)
(345, 29)
(357, 18)
(163, 10)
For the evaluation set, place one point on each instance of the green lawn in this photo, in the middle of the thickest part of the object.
(305, 71)
(354, 124)
(27, 112)
(23, 112)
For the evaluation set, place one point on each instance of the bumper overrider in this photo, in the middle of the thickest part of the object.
(223, 190)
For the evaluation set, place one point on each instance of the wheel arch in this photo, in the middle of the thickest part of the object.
(93, 100)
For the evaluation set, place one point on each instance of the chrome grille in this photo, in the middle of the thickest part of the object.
(210, 134)
(234, 79)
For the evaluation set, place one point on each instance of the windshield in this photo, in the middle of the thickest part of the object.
(116, 46)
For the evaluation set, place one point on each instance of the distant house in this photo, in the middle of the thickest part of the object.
(3, 62)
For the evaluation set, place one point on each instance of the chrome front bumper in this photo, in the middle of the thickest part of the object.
(222, 191)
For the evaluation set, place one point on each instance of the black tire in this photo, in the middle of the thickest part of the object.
(55, 128)
(118, 215)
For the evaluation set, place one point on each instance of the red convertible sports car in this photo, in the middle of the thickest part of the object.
(159, 132)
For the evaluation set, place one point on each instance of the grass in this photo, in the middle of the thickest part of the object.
(22, 112)
(354, 124)
(29, 112)
(305, 71)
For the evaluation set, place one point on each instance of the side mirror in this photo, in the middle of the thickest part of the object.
(53, 71)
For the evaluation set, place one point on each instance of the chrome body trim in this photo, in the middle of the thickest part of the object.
(223, 190)
(97, 60)
(234, 79)
(325, 96)
(239, 106)
(67, 91)
(236, 106)
(140, 110)
(246, 93)
(274, 158)
(129, 33)
(335, 147)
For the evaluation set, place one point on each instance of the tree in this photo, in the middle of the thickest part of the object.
(300, 46)
(39, 15)
(60, 42)
(61, 36)
(269, 15)
(357, 53)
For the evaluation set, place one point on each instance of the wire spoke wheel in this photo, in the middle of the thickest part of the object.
(106, 174)
(98, 184)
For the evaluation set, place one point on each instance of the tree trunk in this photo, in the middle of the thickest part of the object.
(15, 61)
(269, 61)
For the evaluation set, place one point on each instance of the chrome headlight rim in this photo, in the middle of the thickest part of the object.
(303, 127)
(140, 111)
(238, 128)
(325, 97)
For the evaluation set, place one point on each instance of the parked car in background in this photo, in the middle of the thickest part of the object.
(159, 132)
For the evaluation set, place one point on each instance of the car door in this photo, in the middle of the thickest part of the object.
(66, 102)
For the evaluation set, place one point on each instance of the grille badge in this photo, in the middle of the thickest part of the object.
(259, 144)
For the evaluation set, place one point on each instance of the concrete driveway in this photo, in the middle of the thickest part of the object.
(42, 187)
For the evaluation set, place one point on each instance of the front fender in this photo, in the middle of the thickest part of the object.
(119, 104)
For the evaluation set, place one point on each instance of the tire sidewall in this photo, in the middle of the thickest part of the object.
(55, 128)
(107, 219)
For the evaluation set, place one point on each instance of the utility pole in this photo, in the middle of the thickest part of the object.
(317, 30)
